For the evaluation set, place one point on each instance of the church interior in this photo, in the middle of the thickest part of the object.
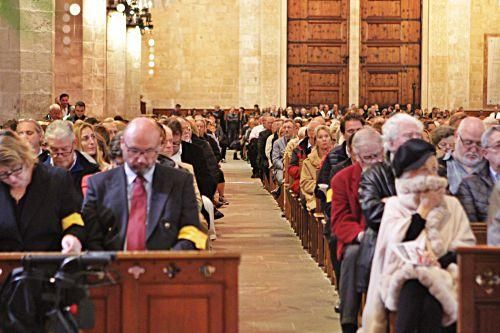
(269, 266)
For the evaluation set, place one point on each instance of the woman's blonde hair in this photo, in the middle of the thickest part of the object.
(323, 128)
(14, 150)
(99, 155)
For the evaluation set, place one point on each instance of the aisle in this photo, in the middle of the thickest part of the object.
(281, 288)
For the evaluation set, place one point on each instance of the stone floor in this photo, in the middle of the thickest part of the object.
(281, 288)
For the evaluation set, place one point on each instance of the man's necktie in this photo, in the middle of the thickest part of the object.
(136, 230)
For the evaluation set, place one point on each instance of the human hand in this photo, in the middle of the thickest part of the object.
(429, 200)
(70, 243)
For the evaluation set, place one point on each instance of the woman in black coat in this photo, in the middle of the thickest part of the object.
(40, 206)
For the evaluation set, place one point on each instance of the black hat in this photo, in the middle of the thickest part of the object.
(411, 155)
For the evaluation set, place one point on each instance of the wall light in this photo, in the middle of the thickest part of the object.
(151, 64)
(151, 42)
(120, 7)
(74, 9)
(151, 71)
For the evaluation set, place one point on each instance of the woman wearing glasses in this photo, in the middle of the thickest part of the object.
(39, 204)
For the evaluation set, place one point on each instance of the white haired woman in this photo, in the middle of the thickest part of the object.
(419, 281)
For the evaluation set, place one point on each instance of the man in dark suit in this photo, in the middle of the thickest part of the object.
(142, 205)
(62, 143)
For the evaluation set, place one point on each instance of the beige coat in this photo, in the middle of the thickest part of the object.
(308, 177)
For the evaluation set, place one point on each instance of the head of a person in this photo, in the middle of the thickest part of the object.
(367, 147)
(177, 106)
(288, 129)
(443, 138)
(201, 125)
(168, 142)
(187, 131)
(490, 122)
(110, 126)
(268, 122)
(350, 124)
(302, 132)
(55, 112)
(277, 126)
(176, 128)
(61, 142)
(289, 112)
(86, 139)
(414, 158)
(115, 150)
(324, 139)
(32, 132)
(468, 142)
(141, 144)
(80, 109)
(16, 160)
(311, 130)
(400, 128)
(491, 146)
(64, 100)
(456, 119)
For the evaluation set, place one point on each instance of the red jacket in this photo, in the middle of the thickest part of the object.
(347, 220)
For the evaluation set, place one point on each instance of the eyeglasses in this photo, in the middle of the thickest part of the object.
(469, 143)
(62, 153)
(494, 147)
(134, 152)
(376, 156)
(13, 172)
(443, 145)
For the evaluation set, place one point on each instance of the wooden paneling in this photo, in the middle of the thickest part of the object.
(317, 52)
(478, 289)
(390, 52)
(161, 291)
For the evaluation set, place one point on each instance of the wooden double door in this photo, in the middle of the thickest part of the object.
(389, 52)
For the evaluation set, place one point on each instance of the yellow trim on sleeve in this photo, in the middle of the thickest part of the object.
(73, 219)
(329, 195)
(194, 235)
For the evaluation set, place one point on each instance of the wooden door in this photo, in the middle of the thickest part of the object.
(318, 62)
(390, 52)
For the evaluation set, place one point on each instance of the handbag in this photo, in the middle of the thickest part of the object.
(365, 258)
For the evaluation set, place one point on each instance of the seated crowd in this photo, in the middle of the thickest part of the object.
(435, 172)
(71, 183)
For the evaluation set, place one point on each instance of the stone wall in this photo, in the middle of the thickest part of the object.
(453, 51)
(211, 52)
(26, 72)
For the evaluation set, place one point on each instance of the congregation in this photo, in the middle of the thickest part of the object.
(398, 188)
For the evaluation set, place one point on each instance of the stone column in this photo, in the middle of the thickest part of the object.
(354, 45)
(133, 84)
(250, 62)
(116, 64)
(94, 57)
(26, 71)
(270, 52)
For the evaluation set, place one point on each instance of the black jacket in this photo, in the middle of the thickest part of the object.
(49, 199)
(208, 155)
(81, 168)
(261, 149)
(377, 182)
(193, 155)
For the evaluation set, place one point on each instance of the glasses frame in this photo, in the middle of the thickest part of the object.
(135, 152)
(16, 172)
(468, 145)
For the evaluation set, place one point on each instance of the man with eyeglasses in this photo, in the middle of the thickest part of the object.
(348, 223)
(32, 132)
(467, 157)
(142, 205)
(475, 190)
(61, 144)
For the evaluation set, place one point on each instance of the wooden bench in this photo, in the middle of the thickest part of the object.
(479, 289)
(480, 231)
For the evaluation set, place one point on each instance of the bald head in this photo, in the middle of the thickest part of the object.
(140, 144)
(471, 125)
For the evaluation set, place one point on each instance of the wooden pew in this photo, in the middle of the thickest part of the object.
(480, 231)
(163, 291)
(479, 289)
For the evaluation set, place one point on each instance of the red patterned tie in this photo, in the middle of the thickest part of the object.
(136, 230)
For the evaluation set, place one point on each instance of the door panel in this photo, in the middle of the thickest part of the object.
(317, 52)
(390, 52)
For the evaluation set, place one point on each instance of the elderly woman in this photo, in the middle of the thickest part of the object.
(39, 204)
(312, 164)
(414, 270)
(87, 143)
(443, 139)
